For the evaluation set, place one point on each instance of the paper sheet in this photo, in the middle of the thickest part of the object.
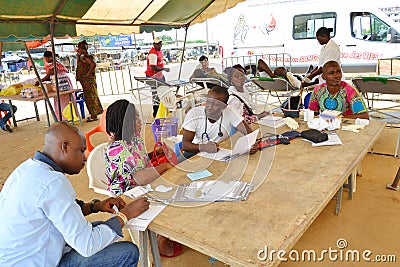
(143, 220)
(138, 191)
(242, 146)
(333, 139)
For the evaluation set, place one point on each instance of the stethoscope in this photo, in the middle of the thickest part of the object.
(205, 134)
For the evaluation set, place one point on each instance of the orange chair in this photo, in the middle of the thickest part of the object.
(100, 128)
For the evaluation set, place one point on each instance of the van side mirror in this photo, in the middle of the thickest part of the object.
(393, 36)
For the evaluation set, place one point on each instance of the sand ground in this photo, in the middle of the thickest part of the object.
(369, 221)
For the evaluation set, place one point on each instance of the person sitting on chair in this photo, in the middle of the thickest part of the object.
(294, 80)
(204, 71)
(47, 225)
(335, 94)
(205, 126)
(127, 163)
(3, 121)
(239, 97)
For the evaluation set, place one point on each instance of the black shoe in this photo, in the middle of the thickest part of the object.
(7, 128)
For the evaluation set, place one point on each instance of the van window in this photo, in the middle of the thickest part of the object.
(305, 26)
(367, 26)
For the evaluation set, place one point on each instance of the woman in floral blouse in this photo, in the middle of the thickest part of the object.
(127, 163)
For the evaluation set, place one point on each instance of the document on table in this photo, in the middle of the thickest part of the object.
(243, 145)
(138, 191)
(333, 139)
(143, 220)
(211, 191)
(272, 121)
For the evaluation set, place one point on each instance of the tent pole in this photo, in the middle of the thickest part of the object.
(53, 50)
(183, 52)
(41, 83)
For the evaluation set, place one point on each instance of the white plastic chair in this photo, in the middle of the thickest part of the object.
(168, 98)
(96, 170)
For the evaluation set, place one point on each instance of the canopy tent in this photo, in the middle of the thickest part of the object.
(27, 20)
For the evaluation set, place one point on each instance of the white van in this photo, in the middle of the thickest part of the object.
(258, 27)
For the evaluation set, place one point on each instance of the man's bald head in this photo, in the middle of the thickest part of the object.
(65, 145)
(329, 64)
(332, 74)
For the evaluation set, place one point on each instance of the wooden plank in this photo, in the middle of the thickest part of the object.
(40, 97)
(302, 180)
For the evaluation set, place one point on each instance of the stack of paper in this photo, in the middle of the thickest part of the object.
(212, 191)
(272, 121)
(243, 145)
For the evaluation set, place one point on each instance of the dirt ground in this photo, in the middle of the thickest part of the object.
(371, 221)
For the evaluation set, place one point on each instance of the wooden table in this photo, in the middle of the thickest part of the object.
(288, 198)
(37, 99)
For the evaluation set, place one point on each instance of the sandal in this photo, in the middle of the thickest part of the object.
(90, 119)
(178, 249)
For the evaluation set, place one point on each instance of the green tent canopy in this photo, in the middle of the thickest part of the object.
(24, 19)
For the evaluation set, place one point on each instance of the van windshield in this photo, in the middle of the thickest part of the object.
(368, 27)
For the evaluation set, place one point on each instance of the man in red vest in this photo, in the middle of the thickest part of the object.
(155, 66)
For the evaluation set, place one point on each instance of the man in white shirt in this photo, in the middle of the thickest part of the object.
(329, 52)
(207, 125)
(42, 223)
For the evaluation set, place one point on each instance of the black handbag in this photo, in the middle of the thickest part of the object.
(314, 136)
(294, 103)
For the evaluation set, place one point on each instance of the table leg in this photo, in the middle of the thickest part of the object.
(12, 113)
(338, 200)
(143, 252)
(350, 180)
(47, 114)
(36, 111)
(154, 248)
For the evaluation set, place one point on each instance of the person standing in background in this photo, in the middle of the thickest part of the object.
(86, 75)
(155, 66)
(329, 52)
(64, 82)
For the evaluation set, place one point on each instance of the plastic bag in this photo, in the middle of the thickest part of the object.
(162, 111)
(67, 113)
(14, 89)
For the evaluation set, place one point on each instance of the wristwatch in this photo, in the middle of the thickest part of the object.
(92, 205)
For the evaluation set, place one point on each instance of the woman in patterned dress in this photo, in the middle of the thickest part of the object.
(126, 160)
(86, 75)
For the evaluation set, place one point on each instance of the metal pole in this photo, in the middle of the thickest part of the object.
(41, 83)
(55, 69)
(208, 53)
(183, 54)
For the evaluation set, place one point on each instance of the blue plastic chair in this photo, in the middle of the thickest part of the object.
(307, 99)
(81, 101)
